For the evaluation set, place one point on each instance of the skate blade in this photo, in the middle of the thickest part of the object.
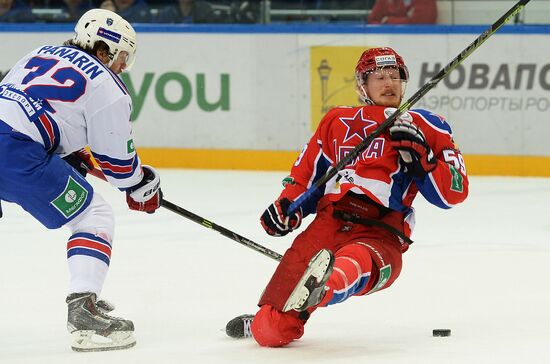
(317, 269)
(89, 341)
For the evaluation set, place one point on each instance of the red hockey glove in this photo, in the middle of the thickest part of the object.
(275, 220)
(146, 195)
(417, 155)
(81, 160)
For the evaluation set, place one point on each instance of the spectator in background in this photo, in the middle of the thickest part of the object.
(76, 8)
(15, 11)
(108, 5)
(134, 11)
(403, 12)
(244, 12)
(187, 11)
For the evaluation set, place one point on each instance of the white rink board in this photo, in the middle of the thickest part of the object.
(269, 87)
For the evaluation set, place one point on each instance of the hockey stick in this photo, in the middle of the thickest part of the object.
(206, 223)
(359, 148)
(220, 229)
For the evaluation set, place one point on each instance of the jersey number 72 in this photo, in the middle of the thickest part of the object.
(67, 85)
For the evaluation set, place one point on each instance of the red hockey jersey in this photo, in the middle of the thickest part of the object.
(378, 172)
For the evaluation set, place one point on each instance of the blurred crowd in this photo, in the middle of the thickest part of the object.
(224, 11)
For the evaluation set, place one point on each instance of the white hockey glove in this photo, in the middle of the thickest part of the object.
(146, 195)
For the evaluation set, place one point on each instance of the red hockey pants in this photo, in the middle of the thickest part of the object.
(367, 259)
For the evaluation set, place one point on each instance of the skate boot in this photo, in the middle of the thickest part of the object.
(93, 329)
(239, 327)
(310, 290)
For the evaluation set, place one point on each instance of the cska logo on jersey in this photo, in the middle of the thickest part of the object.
(357, 125)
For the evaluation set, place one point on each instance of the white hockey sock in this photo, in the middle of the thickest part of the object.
(89, 248)
(87, 274)
(88, 257)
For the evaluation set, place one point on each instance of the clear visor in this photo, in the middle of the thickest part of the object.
(379, 75)
(392, 73)
(122, 56)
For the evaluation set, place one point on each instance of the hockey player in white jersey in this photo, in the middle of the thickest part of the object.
(54, 102)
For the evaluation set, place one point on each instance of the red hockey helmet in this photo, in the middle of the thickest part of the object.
(379, 58)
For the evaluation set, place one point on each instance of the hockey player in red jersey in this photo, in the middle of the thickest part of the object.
(364, 215)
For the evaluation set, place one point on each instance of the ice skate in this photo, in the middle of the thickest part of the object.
(93, 329)
(239, 327)
(310, 290)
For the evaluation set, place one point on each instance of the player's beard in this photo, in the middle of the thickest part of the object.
(388, 101)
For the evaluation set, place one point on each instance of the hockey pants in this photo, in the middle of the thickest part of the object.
(367, 260)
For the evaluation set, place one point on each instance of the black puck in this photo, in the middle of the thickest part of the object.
(441, 332)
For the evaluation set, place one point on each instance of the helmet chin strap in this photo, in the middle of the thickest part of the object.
(368, 101)
(112, 59)
(116, 56)
(364, 96)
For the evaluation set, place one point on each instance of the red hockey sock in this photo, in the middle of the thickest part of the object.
(275, 328)
(352, 269)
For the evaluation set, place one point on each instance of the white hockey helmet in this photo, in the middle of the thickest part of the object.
(109, 27)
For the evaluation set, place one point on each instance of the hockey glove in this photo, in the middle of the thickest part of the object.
(146, 195)
(411, 144)
(81, 160)
(275, 220)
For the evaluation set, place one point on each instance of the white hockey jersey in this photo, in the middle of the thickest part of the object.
(66, 99)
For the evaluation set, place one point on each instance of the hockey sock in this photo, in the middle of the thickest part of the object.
(88, 257)
(351, 275)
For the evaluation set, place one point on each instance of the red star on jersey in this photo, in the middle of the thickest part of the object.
(357, 125)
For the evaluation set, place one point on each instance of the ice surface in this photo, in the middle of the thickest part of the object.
(480, 269)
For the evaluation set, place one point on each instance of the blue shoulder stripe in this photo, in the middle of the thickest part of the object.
(437, 121)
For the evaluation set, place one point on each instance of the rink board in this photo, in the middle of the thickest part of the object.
(249, 97)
